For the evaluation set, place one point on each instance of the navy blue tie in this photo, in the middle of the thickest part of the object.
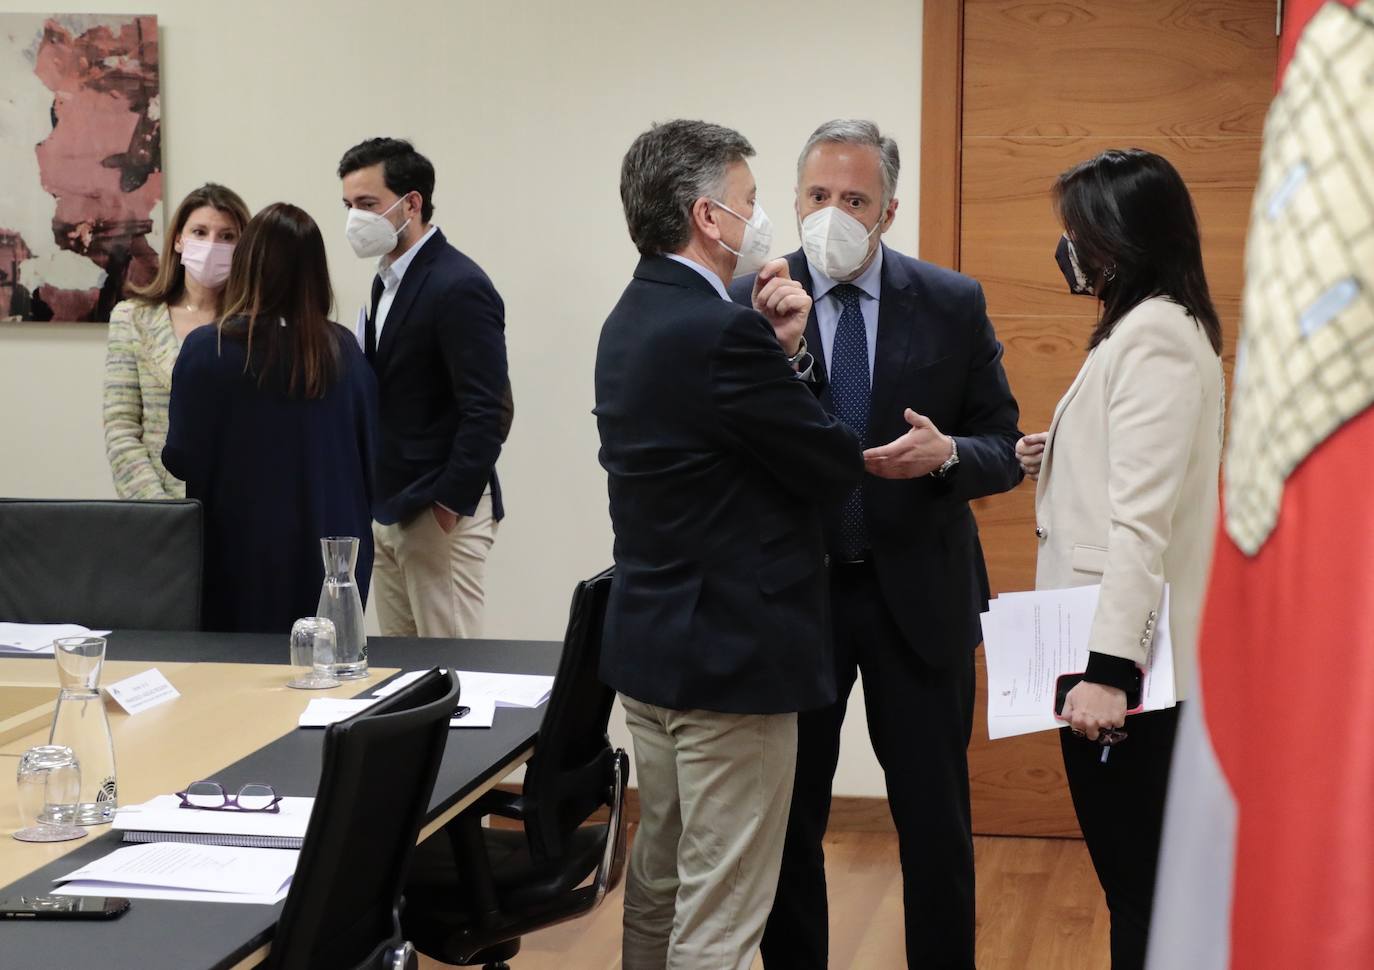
(849, 390)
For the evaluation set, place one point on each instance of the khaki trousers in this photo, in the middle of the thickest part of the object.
(429, 583)
(714, 793)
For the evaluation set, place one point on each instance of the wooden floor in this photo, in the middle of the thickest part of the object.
(1039, 908)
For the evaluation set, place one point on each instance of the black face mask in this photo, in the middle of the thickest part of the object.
(1067, 259)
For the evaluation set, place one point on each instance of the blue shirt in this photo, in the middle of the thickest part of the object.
(828, 307)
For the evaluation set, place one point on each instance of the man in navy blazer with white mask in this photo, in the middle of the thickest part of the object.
(912, 365)
(436, 334)
(721, 465)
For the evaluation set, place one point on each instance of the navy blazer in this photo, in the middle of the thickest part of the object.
(444, 387)
(721, 462)
(275, 473)
(938, 355)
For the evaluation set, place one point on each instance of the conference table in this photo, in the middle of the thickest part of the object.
(235, 722)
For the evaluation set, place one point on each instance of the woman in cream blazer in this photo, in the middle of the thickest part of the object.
(146, 333)
(1126, 496)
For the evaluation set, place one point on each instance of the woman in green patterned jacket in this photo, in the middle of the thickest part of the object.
(146, 334)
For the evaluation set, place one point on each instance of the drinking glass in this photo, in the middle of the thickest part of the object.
(48, 785)
(313, 644)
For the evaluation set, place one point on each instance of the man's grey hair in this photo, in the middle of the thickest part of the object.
(851, 131)
(665, 171)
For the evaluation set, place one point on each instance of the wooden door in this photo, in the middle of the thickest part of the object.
(1017, 91)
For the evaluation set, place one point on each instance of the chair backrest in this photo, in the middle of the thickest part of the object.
(565, 780)
(375, 785)
(104, 564)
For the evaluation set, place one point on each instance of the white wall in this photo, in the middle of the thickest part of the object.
(525, 108)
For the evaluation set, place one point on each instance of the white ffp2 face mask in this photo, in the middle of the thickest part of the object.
(756, 243)
(371, 234)
(836, 242)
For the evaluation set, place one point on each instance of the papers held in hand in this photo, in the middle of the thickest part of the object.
(1032, 638)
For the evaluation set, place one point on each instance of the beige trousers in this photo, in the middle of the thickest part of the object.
(429, 583)
(714, 794)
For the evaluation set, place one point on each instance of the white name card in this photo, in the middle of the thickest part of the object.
(140, 692)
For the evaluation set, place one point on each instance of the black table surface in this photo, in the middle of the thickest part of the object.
(156, 934)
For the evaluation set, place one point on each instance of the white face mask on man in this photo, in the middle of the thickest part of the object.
(756, 243)
(371, 234)
(836, 242)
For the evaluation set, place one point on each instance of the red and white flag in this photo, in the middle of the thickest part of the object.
(1268, 857)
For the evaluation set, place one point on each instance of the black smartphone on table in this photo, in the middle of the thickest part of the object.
(62, 907)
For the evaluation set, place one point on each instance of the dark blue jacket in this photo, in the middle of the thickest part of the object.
(444, 387)
(938, 355)
(721, 463)
(275, 473)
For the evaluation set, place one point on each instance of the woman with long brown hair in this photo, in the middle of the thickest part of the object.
(272, 428)
(146, 333)
(1127, 497)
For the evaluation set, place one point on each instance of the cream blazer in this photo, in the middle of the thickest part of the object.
(140, 352)
(1127, 495)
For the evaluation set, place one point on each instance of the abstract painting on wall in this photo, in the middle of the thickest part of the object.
(80, 163)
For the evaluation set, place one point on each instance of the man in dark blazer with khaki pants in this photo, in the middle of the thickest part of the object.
(435, 332)
(721, 464)
(911, 363)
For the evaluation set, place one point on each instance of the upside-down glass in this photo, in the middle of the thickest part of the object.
(312, 654)
(48, 784)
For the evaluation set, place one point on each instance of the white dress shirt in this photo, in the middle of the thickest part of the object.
(391, 273)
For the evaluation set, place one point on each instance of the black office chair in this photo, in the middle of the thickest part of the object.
(106, 565)
(472, 895)
(343, 910)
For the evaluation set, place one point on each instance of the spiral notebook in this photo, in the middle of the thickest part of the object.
(211, 838)
(162, 819)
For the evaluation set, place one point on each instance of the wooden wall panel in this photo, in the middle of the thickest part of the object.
(1009, 229)
(1045, 85)
(942, 67)
(1017, 785)
(1117, 67)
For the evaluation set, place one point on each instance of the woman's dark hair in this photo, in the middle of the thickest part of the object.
(1135, 233)
(280, 274)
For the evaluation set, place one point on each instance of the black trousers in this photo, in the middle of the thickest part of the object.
(919, 721)
(1120, 807)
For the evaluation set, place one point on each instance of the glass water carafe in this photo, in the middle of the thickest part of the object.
(340, 602)
(80, 723)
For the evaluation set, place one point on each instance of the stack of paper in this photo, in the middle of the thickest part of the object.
(1031, 638)
(162, 819)
(37, 638)
(203, 873)
(505, 690)
(479, 712)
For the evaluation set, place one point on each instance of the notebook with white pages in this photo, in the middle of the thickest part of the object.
(162, 819)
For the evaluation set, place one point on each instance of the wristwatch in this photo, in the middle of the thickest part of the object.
(796, 358)
(951, 461)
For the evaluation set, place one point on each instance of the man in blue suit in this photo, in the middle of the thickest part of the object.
(912, 365)
(721, 465)
(435, 333)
